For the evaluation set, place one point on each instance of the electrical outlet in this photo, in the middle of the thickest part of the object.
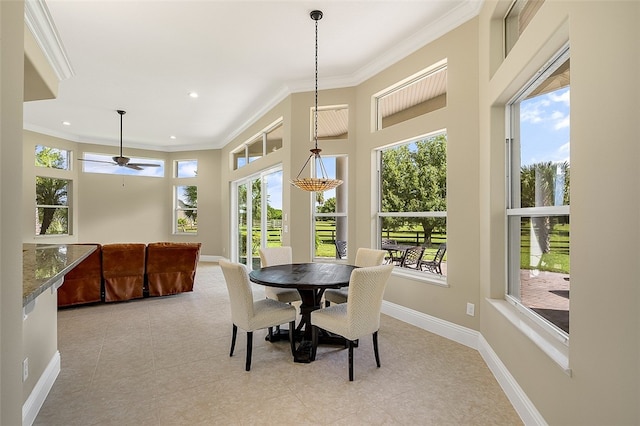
(25, 369)
(471, 309)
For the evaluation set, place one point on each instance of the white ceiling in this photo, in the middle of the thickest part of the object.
(241, 57)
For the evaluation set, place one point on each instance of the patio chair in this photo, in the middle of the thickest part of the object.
(435, 264)
(412, 257)
(341, 249)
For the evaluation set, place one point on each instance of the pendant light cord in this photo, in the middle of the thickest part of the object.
(315, 116)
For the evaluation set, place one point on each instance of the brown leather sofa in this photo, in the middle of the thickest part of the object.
(119, 272)
(123, 271)
(83, 284)
(171, 267)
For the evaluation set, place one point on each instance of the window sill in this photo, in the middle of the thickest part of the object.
(552, 343)
(420, 276)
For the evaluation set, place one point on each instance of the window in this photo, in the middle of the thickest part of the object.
(330, 212)
(186, 168)
(52, 206)
(419, 94)
(186, 209)
(538, 196)
(267, 141)
(256, 215)
(333, 122)
(52, 158)
(413, 199)
(518, 17)
(103, 163)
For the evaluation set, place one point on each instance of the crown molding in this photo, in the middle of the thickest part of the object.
(38, 20)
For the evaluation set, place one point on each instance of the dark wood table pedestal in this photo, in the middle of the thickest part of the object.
(310, 279)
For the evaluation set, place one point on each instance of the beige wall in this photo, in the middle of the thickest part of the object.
(605, 339)
(604, 345)
(113, 208)
(11, 96)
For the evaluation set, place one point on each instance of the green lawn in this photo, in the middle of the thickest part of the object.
(556, 260)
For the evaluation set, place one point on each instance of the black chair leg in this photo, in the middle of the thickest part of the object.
(314, 342)
(249, 348)
(375, 348)
(233, 339)
(350, 360)
(292, 325)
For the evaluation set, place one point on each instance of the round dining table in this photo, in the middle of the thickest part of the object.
(311, 280)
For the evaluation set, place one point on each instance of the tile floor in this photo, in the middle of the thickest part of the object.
(165, 361)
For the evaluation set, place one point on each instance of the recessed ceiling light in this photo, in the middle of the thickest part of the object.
(66, 123)
(172, 137)
(193, 94)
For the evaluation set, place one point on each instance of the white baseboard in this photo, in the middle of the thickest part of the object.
(522, 404)
(32, 405)
(473, 339)
(210, 258)
(457, 333)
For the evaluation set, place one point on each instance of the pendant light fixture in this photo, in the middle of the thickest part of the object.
(324, 183)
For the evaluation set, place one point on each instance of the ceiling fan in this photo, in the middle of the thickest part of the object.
(121, 160)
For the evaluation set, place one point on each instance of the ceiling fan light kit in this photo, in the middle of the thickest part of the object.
(324, 183)
(121, 160)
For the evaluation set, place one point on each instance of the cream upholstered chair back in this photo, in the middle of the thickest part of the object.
(366, 289)
(240, 294)
(272, 256)
(369, 257)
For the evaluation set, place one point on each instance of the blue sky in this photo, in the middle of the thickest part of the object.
(544, 127)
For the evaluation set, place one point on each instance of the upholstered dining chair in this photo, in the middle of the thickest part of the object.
(360, 315)
(252, 315)
(272, 256)
(364, 257)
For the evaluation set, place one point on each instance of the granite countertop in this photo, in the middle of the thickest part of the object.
(44, 264)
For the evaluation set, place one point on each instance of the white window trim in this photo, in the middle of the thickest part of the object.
(177, 208)
(551, 340)
(376, 119)
(420, 276)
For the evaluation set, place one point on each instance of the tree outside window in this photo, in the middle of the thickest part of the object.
(186, 212)
(52, 194)
(52, 207)
(413, 193)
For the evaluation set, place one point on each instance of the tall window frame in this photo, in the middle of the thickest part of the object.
(393, 222)
(185, 213)
(256, 215)
(330, 218)
(53, 215)
(538, 203)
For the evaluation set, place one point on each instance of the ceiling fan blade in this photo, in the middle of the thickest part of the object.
(143, 164)
(133, 166)
(97, 161)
